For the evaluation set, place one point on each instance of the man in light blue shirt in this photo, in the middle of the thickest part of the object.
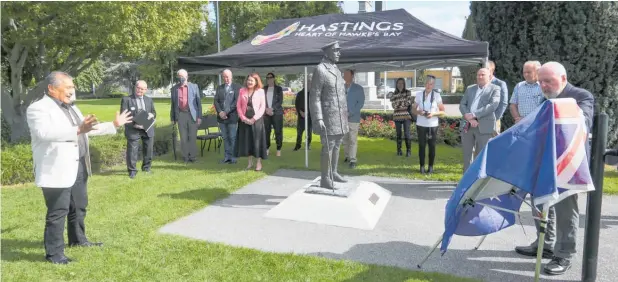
(355, 100)
(527, 95)
(504, 96)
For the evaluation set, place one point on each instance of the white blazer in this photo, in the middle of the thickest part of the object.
(54, 143)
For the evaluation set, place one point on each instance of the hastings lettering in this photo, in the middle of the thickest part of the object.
(352, 27)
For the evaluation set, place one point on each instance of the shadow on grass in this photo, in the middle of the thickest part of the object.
(206, 195)
(14, 250)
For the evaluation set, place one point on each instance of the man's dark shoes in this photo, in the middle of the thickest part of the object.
(422, 170)
(58, 260)
(224, 161)
(346, 160)
(232, 162)
(297, 148)
(408, 153)
(557, 266)
(132, 174)
(430, 170)
(86, 244)
(531, 251)
(352, 165)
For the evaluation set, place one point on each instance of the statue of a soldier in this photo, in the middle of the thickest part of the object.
(329, 112)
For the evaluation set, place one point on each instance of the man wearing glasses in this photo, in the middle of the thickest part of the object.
(134, 132)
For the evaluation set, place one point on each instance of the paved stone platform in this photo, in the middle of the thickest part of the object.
(410, 224)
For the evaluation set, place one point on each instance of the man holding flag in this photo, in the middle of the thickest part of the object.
(554, 84)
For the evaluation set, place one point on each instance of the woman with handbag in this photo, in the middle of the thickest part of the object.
(251, 135)
(401, 102)
(428, 108)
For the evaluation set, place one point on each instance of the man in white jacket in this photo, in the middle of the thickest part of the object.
(61, 157)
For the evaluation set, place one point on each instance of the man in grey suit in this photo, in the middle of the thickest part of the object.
(186, 111)
(329, 112)
(504, 95)
(478, 107)
(554, 84)
(225, 105)
(134, 132)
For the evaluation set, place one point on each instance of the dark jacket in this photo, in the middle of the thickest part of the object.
(277, 103)
(130, 104)
(299, 102)
(584, 99)
(194, 100)
(232, 114)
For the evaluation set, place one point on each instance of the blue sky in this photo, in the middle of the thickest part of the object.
(448, 16)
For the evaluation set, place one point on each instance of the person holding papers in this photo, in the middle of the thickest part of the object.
(143, 110)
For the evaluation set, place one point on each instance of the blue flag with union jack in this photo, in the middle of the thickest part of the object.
(545, 155)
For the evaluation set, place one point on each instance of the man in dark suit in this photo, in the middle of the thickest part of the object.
(225, 105)
(504, 95)
(273, 117)
(554, 84)
(301, 113)
(186, 111)
(134, 132)
(478, 107)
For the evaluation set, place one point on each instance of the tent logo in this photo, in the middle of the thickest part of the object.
(263, 39)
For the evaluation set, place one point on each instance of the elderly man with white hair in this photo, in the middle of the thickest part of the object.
(554, 84)
(186, 111)
(527, 94)
(225, 104)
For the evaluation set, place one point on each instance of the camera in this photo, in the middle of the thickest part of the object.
(425, 113)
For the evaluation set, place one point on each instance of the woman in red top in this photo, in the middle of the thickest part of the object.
(251, 136)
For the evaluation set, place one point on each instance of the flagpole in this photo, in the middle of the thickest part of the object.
(539, 248)
(420, 264)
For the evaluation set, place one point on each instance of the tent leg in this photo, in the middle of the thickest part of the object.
(306, 122)
(433, 248)
(480, 242)
(539, 249)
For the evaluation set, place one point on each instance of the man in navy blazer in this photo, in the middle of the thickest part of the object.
(504, 95)
(186, 111)
(554, 84)
(225, 104)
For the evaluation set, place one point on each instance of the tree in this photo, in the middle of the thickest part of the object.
(38, 37)
(468, 73)
(583, 36)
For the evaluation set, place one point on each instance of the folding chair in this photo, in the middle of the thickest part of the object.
(209, 122)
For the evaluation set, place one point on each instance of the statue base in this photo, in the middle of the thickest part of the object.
(355, 204)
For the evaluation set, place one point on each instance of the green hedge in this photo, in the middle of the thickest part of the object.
(105, 152)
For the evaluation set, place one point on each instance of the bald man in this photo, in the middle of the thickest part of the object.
(478, 107)
(554, 84)
(186, 111)
(527, 94)
(134, 132)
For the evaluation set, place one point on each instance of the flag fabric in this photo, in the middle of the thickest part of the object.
(544, 155)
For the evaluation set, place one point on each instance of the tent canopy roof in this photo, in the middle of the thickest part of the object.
(377, 41)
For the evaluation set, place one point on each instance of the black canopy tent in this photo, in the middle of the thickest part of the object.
(378, 41)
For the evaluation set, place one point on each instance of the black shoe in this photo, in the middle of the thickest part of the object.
(352, 165)
(297, 148)
(557, 266)
(59, 260)
(232, 162)
(422, 170)
(408, 153)
(86, 244)
(132, 174)
(430, 169)
(531, 251)
(399, 152)
(224, 161)
(346, 160)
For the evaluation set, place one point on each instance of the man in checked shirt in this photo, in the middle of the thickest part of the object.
(527, 95)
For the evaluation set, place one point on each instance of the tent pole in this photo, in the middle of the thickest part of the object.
(385, 74)
(306, 122)
(539, 248)
(480, 242)
(433, 248)
(414, 79)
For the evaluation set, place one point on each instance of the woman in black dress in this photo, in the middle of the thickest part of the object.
(251, 136)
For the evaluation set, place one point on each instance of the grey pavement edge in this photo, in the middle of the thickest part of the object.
(411, 223)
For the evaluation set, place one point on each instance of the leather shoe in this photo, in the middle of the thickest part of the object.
(224, 161)
(346, 160)
(557, 266)
(339, 178)
(352, 165)
(422, 169)
(531, 251)
(132, 174)
(59, 260)
(86, 244)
